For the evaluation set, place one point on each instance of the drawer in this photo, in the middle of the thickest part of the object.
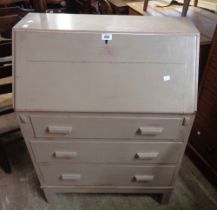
(106, 127)
(107, 151)
(106, 175)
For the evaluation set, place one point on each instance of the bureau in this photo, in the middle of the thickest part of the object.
(105, 103)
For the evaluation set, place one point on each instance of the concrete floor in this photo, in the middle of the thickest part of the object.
(21, 191)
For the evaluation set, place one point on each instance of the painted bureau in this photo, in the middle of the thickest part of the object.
(105, 103)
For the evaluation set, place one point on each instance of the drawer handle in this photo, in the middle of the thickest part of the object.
(150, 130)
(64, 154)
(143, 178)
(53, 129)
(146, 155)
(70, 177)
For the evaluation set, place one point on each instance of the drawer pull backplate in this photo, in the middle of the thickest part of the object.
(150, 130)
(64, 154)
(70, 177)
(54, 129)
(146, 155)
(143, 178)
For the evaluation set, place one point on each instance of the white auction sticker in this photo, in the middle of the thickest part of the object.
(106, 37)
(167, 78)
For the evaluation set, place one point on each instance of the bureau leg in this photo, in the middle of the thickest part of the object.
(49, 195)
(165, 198)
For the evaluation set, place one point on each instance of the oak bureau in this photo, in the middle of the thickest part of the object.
(105, 103)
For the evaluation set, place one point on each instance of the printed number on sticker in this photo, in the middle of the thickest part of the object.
(106, 37)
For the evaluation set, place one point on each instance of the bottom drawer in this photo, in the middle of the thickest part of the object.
(106, 175)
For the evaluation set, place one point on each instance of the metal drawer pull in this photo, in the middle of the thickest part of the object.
(143, 178)
(72, 177)
(150, 130)
(146, 155)
(54, 129)
(64, 154)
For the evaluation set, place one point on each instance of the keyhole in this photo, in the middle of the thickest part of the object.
(106, 41)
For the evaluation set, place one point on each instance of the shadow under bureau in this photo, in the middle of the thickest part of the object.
(105, 103)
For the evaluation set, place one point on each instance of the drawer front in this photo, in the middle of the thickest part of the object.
(106, 175)
(106, 127)
(107, 151)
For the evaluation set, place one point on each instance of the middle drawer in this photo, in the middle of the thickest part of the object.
(107, 151)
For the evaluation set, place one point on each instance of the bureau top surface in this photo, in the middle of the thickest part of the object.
(107, 23)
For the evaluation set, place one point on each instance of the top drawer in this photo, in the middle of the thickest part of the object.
(106, 127)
